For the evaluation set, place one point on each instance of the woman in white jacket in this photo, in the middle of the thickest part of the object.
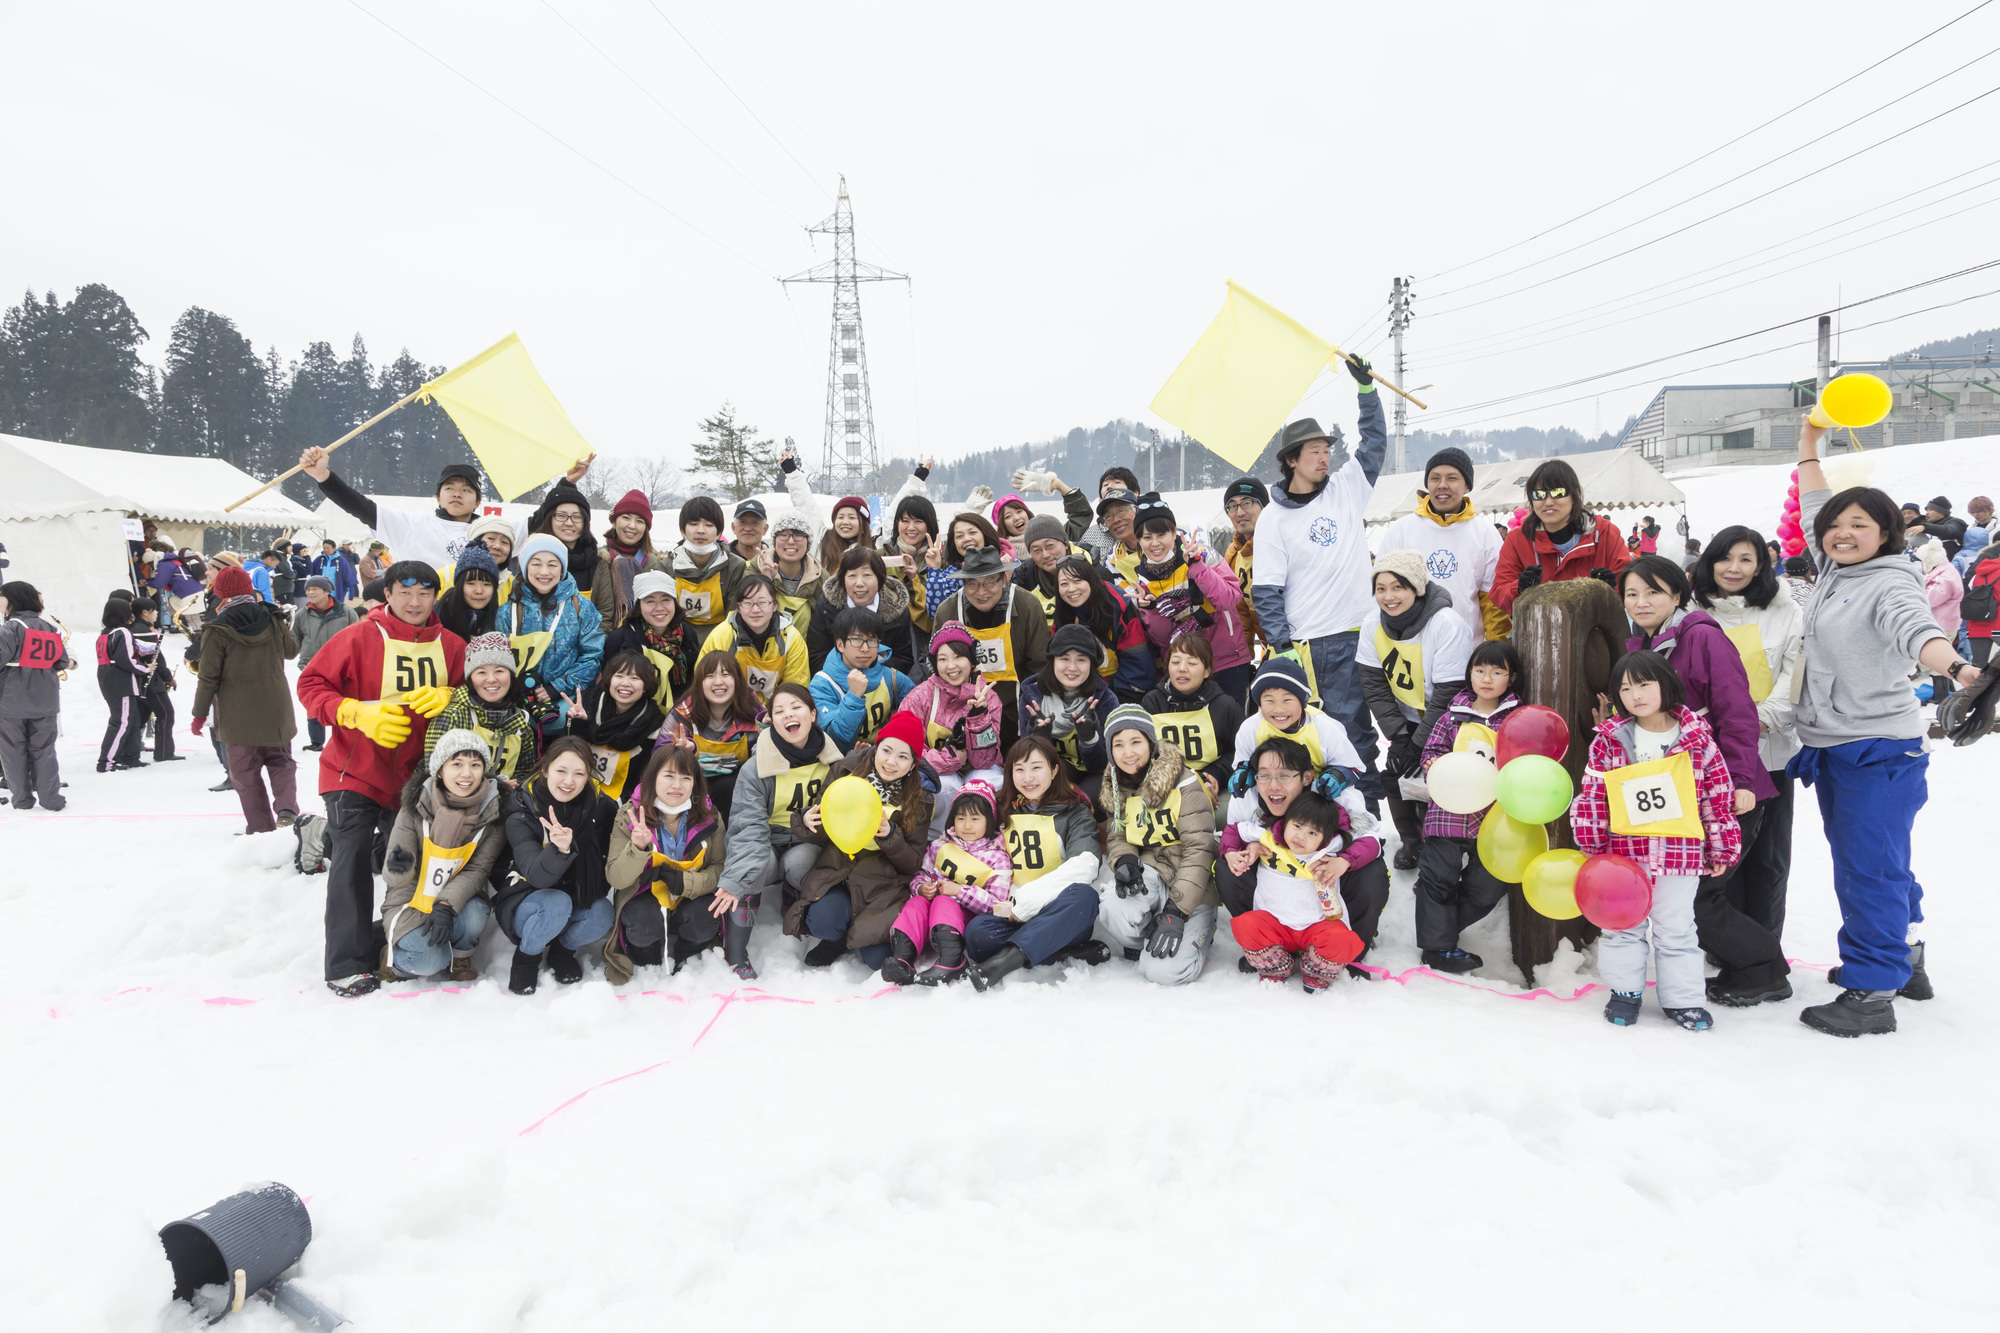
(1735, 581)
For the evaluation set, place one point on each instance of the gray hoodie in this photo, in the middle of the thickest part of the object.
(1864, 626)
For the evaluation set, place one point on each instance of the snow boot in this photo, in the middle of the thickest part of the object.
(900, 967)
(949, 946)
(1317, 971)
(825, 953)
(386, 972)
(1918, 987)
(679, 951)
(1855, 1013)
(1622, 1010)
(736, 938)
(1243, 964)
(1694, 1020)
(462, 969)
(525, 973)
(287, 818)
(564, 963)
(1090, 952)
(1406, 855)
(1745, 995)
(1454, 960)
(354, 987)
(224, 785)
(1000, 966)
(1132, 953)
(1271, 962)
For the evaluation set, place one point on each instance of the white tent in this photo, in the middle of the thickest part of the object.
(1611, 479)
(63, 509)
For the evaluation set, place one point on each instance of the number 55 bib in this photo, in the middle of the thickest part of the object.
(1654, 799)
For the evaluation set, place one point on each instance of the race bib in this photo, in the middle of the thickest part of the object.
(796, 791)
(1476, 738)
(41, 650)
(961, 867)
(1193, 734)
(1655, 799)
(435, 871)
(1146, 827)
(762, 680)
(989, 656)
(1033, 845)
(1756, 665)
(608, 769)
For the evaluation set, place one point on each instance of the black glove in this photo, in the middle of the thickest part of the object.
(1606, 577)
(1167, 931)
(788, 464)
(1357, 366)
(1405, 757)
(1968, 714)
(400, 861)
(1131, 876)
(436, 927)
(921, 473)
(1530, 577)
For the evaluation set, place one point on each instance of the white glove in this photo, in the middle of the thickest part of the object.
(1027, 480)
(981, 497)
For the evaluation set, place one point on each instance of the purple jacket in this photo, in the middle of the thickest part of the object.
(1711, 671)
(170, 576)
(1438, 821)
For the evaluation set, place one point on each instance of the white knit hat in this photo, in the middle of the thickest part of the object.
(459, 741)
(1405, 565)
(652, 581)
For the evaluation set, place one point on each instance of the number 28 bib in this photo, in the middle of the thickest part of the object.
(1033, 845)
(1655, 799)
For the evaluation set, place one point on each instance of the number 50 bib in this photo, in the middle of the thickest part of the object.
(1654, 799)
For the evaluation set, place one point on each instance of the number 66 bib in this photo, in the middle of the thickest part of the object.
(1654, 799)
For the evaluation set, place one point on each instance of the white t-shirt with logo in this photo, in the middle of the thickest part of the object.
(1463, 556)
(1318, 553)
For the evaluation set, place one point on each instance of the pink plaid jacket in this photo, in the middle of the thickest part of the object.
(1715, 793)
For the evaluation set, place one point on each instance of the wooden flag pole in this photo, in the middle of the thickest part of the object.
(404, 401)
(1356, 361)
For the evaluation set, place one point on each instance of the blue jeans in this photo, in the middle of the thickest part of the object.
(547, 914)
(1066, 921)
(1869, 794)
(829, 918)
(414, 956)
(1339, 684)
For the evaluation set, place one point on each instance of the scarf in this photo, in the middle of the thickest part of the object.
(584, 880)
(750, 637)
(1399, 626)
(800, 756)
(455, 819)
(1568, 531)
(604, 724)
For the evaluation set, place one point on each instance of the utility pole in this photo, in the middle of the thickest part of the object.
(1153, 461)
(1825, 353)
(1399, 319)
(850, 454)
(1184, 445)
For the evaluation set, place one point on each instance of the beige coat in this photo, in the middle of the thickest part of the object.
(1188, 866)
(628, 869)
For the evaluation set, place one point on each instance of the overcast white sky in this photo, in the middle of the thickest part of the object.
(1068, 184)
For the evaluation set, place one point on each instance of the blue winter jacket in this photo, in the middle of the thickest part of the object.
(336, 570)
(843, 715)
(575, 654)
(260, 579)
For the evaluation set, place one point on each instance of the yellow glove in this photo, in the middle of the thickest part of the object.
(428, 700)
(384, 724)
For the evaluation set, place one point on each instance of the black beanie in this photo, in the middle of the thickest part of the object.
(1451, 456)
(1246, 486)
(465, 472)
(1942, 505)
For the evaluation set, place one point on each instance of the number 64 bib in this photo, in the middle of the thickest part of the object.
(1655, 799)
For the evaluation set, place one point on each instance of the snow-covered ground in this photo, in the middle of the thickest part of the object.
(1072, 1150)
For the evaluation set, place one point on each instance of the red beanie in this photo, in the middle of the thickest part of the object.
(231, 581)
(852, 502)
(635, 502)
(903, 726)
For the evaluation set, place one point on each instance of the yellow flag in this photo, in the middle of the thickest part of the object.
(513, 423)
(1235, 389)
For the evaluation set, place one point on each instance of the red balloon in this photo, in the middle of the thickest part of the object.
(1615, 892)
(1531, 729)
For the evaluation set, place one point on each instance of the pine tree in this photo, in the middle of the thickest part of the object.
(72, 372)
(216, 400)
(741, 463)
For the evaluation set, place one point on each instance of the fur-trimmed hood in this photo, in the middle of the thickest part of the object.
(1162, 776)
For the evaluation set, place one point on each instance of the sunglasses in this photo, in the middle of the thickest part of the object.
(1559, 493)
(411, 581)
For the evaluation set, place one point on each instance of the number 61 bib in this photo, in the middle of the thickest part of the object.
(1654, 799)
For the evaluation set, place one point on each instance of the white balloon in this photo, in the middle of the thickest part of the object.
(1463, 782)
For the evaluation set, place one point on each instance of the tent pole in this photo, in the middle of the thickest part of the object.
(404, 401)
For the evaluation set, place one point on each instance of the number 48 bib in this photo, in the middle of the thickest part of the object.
(1655, 799)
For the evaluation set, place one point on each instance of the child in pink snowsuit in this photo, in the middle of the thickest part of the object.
(964, 873)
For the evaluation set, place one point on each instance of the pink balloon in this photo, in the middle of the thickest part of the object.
(1519, 514)
(1532, 729)
(1614, 892)
(1796, 546)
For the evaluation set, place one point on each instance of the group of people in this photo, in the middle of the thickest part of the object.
(1090, 735)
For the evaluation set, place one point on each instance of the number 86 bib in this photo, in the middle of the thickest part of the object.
(1655, 799)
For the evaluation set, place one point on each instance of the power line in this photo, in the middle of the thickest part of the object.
(1701, 194)
(770, 92)
(669, 112)
(1723, 342)
(1487, 300)
(558, 139)
(1713, 151)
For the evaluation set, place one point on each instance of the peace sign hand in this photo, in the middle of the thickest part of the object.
(642, 837)
(559, 837)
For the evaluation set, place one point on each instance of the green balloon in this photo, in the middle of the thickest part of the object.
(1534, 788)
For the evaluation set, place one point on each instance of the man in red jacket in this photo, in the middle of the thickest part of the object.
(374, 686)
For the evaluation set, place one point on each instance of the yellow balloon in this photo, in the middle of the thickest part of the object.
(1550, 883)
(850, 810)
(1855, 400)
(1506, 845)
(1478, 738)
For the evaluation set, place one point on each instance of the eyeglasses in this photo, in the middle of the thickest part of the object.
(1559, 493)
(1278, 779)
(1240, 504)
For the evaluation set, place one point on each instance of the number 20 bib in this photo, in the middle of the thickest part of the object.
(1655, 799)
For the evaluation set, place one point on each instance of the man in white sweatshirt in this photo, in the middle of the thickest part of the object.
(1459, 550)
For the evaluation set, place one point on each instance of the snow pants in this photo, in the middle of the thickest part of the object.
(1330, 667)
(1065, 921)
(1761, 878)
(415, 956)
(124, 730)
(1749, 954)
(1364, 892)
(920, 915)
(1321, 949)
(1869, 795)
(158, 706)
(28, 757)
(1129, 923)
(247, 764)
(357, 838)
(829, 918)
(949, 786)
(1454, 889)
(1621, 954)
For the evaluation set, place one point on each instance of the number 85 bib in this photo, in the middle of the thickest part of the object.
(1655, 799)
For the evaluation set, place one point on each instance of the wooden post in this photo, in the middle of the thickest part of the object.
(1393, 388)
(286, 476)
(1569, 635)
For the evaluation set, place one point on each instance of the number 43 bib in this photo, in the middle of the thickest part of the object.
(1655, 799)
